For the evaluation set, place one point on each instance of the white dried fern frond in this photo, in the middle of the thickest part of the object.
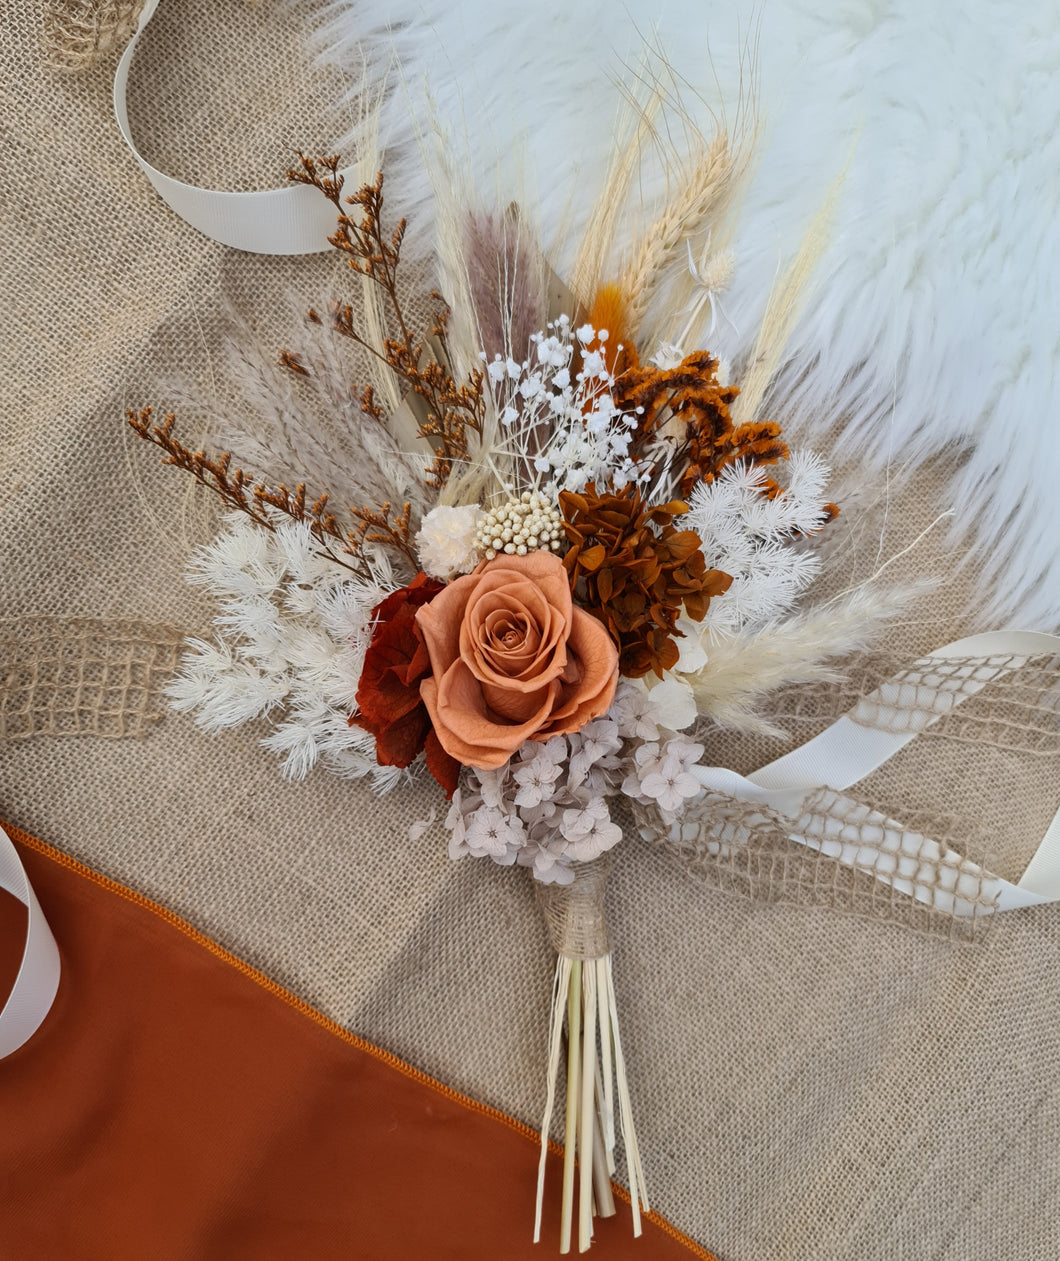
(293, 631)
(762, 542)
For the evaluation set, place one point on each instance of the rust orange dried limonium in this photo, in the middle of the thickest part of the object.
(694, 410)
(635, 571)
(454, 409)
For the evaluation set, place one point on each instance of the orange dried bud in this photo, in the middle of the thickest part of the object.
(609, 310)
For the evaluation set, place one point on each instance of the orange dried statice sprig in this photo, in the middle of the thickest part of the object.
(688, 407)
(636, 572)
(245, 493)
(453, 410)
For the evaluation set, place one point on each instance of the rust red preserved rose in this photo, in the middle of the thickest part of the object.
(388, 695)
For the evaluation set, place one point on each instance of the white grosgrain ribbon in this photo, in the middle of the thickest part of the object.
(292, 220)
(37, 982)
(848, 751)
(839, 757)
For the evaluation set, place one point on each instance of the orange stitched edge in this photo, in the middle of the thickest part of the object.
(325, 1022)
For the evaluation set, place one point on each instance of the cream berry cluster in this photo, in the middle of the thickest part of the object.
(527, 524)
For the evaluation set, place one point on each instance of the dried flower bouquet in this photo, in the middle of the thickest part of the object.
(564, 539)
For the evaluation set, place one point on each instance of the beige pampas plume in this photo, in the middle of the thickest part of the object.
(487, 472)
(306, 425)
(803, 648)
(632, 130)
(367, 104)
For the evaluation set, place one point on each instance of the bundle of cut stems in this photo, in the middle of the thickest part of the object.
(584, 990)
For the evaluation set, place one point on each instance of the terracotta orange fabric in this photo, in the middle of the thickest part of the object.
(176, 1104)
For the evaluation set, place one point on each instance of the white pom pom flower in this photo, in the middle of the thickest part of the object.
(446, 541)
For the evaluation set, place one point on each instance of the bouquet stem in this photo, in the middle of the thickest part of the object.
(570, 1139)
(587, 1124)
(584, 992)
(605, 1201)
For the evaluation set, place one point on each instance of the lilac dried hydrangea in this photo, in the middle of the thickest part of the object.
(548, 807)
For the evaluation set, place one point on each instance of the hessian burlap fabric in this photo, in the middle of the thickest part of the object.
(807, 1083)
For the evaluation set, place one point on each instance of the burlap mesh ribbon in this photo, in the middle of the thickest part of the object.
(78, 33)
(64, 676)
(1019, 714)
(983, 763)
(744, 849)
(574, 913)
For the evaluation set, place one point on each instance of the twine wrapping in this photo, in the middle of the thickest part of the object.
(574, 913)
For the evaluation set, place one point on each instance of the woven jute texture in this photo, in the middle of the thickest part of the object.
(82, 675)
(81, 33)
(806, 1083)
(576, 913)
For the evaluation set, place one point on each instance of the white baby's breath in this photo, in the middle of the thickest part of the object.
(564, 430)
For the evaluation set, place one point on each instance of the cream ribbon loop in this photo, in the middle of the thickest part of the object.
(841, 756)
(293, 220)
(37, 982)
(849, 750)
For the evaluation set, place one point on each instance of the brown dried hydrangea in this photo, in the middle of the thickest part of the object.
(634, 571)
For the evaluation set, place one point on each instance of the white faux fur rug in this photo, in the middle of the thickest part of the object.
(934, 318)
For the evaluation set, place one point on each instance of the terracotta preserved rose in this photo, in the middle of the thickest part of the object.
(512, 659)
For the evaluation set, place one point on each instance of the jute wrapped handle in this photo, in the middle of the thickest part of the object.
(574, 913)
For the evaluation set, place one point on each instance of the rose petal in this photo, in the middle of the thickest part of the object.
(507, 591)
(547, 573)
(592, 694)
(511, 640)
(439, 622)
(463, 724)
(520, 602)
(393, 666)
(517, 706)
(512, 658)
